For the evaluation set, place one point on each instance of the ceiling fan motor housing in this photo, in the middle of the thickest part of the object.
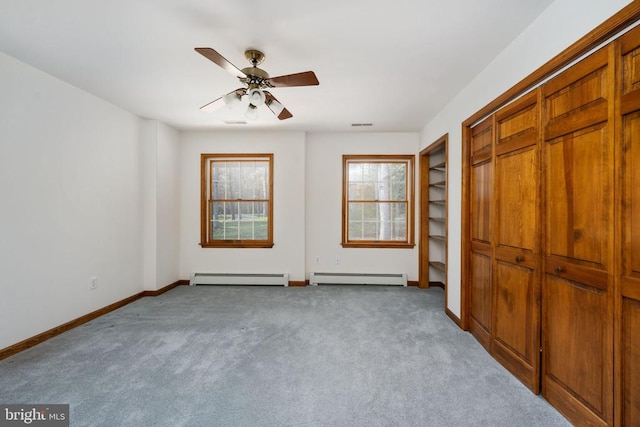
(256, 77)
(254, 56)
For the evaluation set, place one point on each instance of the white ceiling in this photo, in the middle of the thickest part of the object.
(394, 64)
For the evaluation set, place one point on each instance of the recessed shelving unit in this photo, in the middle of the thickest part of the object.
(433, 245)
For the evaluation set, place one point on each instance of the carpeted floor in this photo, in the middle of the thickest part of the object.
(269, 356)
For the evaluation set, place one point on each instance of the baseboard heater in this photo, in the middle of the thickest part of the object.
(281, 279)
(398, 279)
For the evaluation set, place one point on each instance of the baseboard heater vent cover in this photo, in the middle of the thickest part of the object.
(393, 279)
(281, 279)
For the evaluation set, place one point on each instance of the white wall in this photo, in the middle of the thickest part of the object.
(168, 202)
(307, 204)
(560, 25)
(324, 204)
(160, 154)
(287, 254)
(70, 204)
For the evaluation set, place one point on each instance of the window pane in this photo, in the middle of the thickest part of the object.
(384, 227)
(399, 218)
(260, 220)
(218, 192)
(398, 171)
(245, 181)
(355, 211)
(370, 172)
(355, 172)
(217, 220)
(261, 184)
(399, 230)
(355, 230)
(369, 211)
(219, 181)
(355, 191)
(368, 191)
(369, 230)
(399, 211)
(398, 191)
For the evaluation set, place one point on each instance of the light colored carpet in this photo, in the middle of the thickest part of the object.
(268, 356)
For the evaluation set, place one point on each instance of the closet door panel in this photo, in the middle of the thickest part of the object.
(516, 343)
(579, 196)
(516, 179)
(481, 228)
(578, 284)
(516, 314)
(480, 298)
(578, 98)
(576, 368)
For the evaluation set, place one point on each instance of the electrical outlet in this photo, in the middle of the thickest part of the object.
(338, 261)
(93, 283)
(317, 260)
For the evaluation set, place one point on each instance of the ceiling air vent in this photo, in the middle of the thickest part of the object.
(361, 124)
(235, 122)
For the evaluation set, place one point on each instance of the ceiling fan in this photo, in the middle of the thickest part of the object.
(255, 81)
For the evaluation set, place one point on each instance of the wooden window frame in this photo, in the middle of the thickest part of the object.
(409, 159)
(205, 177)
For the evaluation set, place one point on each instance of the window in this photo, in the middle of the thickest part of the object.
(377, 202)
(237, 201)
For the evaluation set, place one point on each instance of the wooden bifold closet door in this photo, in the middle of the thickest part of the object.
(481, 259)
(577, 292)
(504, 292)
(516, 270)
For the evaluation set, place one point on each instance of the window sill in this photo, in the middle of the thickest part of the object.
(378, 245)
(231, 244)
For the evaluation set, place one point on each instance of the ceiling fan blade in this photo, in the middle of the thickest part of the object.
(307, 78)
(276, 107)
(215, 57)
(230, 98)
(213, 105)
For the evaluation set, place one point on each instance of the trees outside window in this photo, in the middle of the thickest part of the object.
(237, 200)
(377, 203)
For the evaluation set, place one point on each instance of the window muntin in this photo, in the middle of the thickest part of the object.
(378, 201)
(237, 201)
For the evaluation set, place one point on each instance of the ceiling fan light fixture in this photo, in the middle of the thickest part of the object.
(252, 112)
(256, 96)
(275, 106)
(231, 98)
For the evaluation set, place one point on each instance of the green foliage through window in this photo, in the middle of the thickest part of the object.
(378, 200)
(237, 200)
